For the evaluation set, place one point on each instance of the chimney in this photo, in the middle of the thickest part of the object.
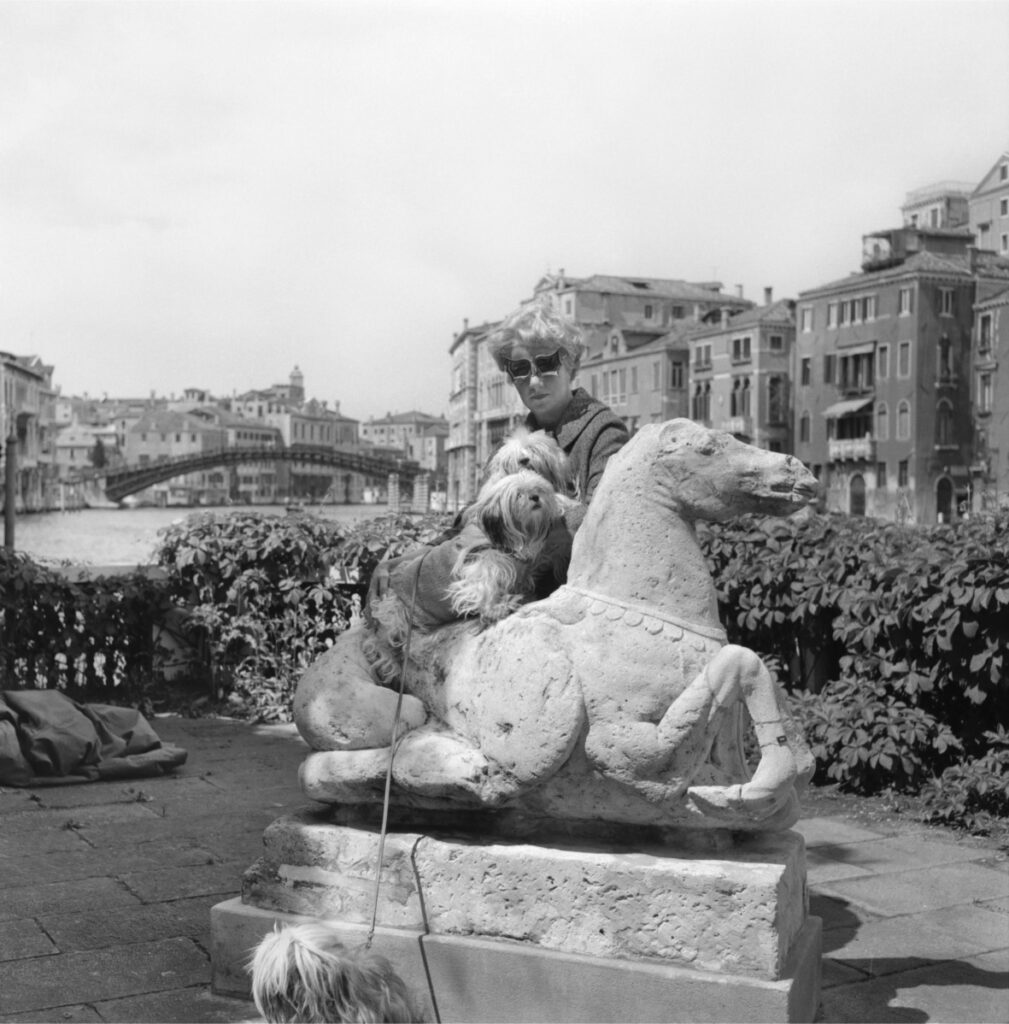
(739, 291)
(768, 296)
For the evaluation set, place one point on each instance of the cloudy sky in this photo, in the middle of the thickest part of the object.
(208, 193)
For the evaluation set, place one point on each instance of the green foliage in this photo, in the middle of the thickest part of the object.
(868, 739)
(261, 599)
(267, 594)
(974, 794)
(90, 638)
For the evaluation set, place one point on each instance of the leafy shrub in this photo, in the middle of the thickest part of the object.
(260, 596)
(865, 737)
(266, 595)
(973, 794)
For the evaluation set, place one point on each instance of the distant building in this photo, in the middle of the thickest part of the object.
(28, 415)
(989, 208)
(945, 204)
(462, 464)
(740, 374)
(163, 434)
(882, 389)
(990, 386)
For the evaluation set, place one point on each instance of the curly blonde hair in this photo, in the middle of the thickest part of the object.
(540, 324)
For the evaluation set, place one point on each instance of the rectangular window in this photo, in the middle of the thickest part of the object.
(945, 301)
(677, 312)
(777, 405)
(648, 312)
(740, 349)
(807, 319)
(880, 476)
(1003, 206)
(828, 369)
(902, 473)
(1003, 172)
(594, 386)
(883, 362)
(657, 373)
(831, 314)
(806, 370)
(984, 332)
(984, 392)
(776, 343)
(676, 374)
(855, 314)
(904, 359)
(634, 380)
(904, 302)
(623, 385)
(842, 314)
(869, 308)
(1004, 243)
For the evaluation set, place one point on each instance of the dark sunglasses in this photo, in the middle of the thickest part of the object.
(522, 369)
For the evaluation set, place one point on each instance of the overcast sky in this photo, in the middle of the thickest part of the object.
(198, 194)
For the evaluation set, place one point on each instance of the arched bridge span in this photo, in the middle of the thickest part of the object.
(122, 482)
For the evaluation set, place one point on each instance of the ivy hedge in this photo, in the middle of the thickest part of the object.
(892, 642)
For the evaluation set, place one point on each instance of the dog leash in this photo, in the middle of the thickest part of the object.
(385, 810)
(393, 743)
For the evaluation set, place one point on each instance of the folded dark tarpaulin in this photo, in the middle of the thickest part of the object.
(48, 739)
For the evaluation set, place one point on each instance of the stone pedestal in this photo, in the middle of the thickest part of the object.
(566, 929)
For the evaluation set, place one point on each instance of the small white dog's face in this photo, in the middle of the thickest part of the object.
(516, 512)
(533, 450)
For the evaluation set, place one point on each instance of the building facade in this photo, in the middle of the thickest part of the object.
(462, 467)
(28, 422)
(989, 208)
(990, 389)
(740, 374)
(882, 386)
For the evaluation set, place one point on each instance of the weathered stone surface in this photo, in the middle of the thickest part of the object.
(739, 911)
(616, 698)
(476, 979)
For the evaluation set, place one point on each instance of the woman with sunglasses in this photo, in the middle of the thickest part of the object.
(541, 352)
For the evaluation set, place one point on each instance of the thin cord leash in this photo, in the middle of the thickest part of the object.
(394, 743)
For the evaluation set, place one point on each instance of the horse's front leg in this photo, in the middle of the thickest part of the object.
(737, 673)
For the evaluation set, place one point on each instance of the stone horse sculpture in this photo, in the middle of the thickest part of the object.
(615, 699)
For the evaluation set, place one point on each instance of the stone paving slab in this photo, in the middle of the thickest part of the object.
(65, 1015)
(886, 856)
(128, 925)
(24, 938)
(919, 889)
(196, 1005)
(833, 832)
(88, 977)
(178, 883)
(81, 894)
(885, 945)
(975, 989)
(81, 862)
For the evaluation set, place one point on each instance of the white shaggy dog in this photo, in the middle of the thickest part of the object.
(304, 973)
(484, 571)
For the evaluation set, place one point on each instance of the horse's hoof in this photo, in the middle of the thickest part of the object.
(733, 804)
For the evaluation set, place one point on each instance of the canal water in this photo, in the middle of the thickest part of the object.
(129, 536)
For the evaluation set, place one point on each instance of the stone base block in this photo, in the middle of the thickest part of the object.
(478, 979)
(738, 911)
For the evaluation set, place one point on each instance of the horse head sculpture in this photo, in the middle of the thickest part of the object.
(616, 699)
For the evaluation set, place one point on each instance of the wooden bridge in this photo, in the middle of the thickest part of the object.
(118, 483)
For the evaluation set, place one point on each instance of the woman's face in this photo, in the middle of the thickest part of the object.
(545, 395)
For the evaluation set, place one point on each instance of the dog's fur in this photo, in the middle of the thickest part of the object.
(488, 572)
(304, 973)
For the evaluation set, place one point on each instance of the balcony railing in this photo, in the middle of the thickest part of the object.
(737, 425)
(838, 450)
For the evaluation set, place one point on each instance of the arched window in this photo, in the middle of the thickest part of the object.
(856, 495)
(943, 501)
(944, 434)
(882, 422)
(904, 421)
(745, 397)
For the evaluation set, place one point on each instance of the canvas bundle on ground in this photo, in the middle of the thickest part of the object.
(48, 739)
